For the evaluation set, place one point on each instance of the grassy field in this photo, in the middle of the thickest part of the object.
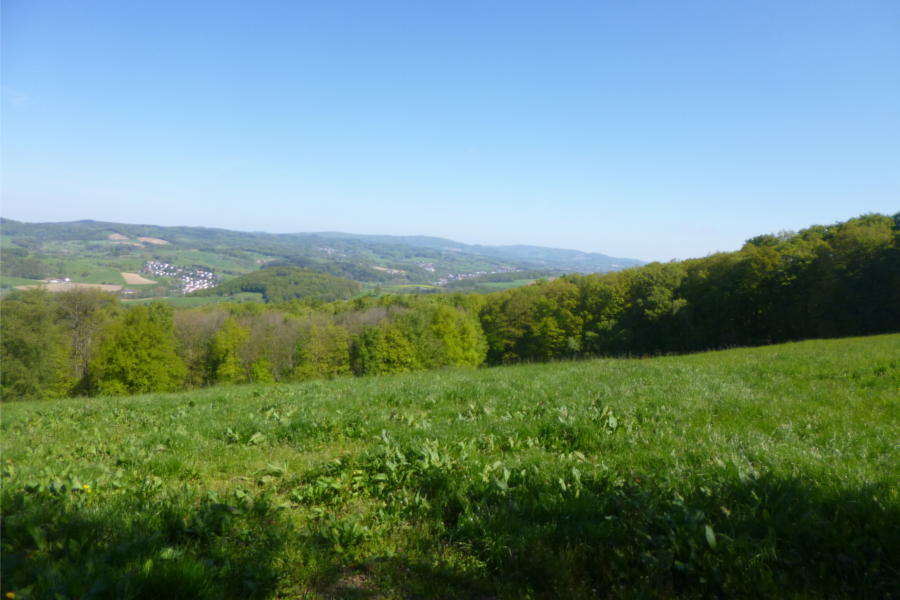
(243, 262)
(197, 301)
(10, 282)
(766, 472)
(493, 286)
(483, 287)
(412, 288)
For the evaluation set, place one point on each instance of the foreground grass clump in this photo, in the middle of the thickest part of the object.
(760, 472)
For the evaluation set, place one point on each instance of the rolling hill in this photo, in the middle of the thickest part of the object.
(96, 252)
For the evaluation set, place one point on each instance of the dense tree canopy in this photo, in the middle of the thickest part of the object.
(837, 280)
(33, 345)
(138, 354)
(17, 262)
(278, 284)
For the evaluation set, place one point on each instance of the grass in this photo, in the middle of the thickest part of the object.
(86, 270)
(91, 262)
(7, 281)
(494, 286)
(409, 288)
(197, 301)
(243, 263)
(767, 472)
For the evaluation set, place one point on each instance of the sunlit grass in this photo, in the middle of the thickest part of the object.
(752, 472)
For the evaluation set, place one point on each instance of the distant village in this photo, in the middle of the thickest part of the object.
(191, 278)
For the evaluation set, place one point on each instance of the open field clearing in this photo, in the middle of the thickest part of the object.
(765, 472)
(68, 286)
(135, 279)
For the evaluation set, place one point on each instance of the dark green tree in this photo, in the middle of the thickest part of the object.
(83, 313)
(33, 348)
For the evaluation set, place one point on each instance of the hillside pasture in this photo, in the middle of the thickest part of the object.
(71, 285)
(766, 472)
(191, 301)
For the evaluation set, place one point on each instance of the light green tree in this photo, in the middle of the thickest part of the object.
(383, 350)
(138, 354)
(224, 354)
(324, 352)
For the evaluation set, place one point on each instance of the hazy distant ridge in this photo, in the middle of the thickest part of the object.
(522, 256)
(538, 256)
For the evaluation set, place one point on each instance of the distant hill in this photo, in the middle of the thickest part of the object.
(96, 251)
(570, 261)
(278, 284)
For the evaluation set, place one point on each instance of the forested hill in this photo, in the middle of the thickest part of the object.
(556, 259)
(44, 249)
(280, 284)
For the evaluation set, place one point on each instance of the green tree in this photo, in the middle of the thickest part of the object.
(461, 337)
(261, 372)
(443, 335)
(601, 304)
(383, 350)
(138, 354)
(33, 348)
(536, 322)
(194, 332)
(324, 352)
(225, 364)
(83, 313)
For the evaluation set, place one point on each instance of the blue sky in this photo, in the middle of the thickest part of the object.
(653, 130)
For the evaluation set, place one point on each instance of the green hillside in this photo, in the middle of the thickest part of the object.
(820, 282)
(88, 251)
(280, 284)
(767, 472)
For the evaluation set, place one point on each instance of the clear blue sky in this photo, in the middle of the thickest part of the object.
(652, 130)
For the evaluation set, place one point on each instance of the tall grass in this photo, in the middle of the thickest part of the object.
(766, 472)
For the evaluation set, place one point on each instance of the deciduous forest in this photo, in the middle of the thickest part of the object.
(823, 281)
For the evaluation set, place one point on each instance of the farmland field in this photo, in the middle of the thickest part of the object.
(137, 279)
(504, 285)
(69, 286)
(196, 301)
(763, 472)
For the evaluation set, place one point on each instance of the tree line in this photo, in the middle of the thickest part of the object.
(824, 281)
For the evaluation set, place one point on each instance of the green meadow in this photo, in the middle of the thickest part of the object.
(191, 301)
(762, 472)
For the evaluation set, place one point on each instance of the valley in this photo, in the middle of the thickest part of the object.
(181, 260)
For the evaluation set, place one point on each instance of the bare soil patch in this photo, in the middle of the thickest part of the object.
(153, 240)
(117, 236)
(65, 287)
(135, 279)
